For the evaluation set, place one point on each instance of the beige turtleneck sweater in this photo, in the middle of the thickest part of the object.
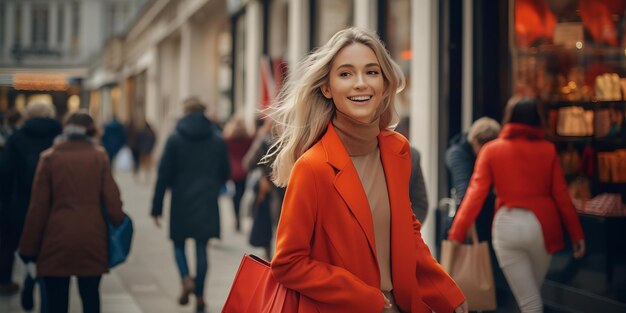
(361, 142)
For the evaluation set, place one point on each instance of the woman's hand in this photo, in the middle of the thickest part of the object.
(387, 303)
(463, 308)
(579, 249)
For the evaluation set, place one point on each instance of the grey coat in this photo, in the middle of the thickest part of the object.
(417, 188)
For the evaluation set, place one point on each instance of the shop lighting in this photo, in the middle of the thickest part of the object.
(40, 82)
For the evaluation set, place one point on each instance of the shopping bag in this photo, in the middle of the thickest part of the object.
(120, 239)
(470, 267)
(255, 290)
(123, 161)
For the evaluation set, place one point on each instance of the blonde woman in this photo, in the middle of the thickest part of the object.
(347, 239)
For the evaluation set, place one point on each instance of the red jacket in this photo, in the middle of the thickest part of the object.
(325, 245)
(237, 149)
(525, 172)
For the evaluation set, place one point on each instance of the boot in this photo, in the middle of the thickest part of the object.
(188, 288)
(200, 305)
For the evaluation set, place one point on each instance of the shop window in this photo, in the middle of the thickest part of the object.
(17, 34)
(278, 26)
(111, 20)
(330, 17)
(225, 74)
(2, 27)
(239, 98)
(60, 23)
(75, 39)
(398, 41)
(39, 19)
(571, 55)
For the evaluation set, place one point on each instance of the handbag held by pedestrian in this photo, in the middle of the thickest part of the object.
(255, 290)
(119, 239)
(470, 267)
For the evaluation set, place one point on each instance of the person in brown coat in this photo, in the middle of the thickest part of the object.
(65, 232)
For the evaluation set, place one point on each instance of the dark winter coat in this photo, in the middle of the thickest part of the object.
(194, 166)
(65, 230)
(114, 137)
(19, 162)
(460, 159)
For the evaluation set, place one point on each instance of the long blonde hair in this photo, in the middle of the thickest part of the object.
(301, 113)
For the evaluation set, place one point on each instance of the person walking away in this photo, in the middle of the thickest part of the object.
(17, 165)
(194, 166)
(132, 141)
(65, 231)
(238, 142)
(531, 205)
(347, 239)
(460, 158)
(114, 138)
(146, 139)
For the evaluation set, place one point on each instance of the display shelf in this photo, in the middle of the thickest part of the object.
(587, 105)
(585, 50)
(587, 139)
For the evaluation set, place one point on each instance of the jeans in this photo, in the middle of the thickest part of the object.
(55, 294)
(202, 263)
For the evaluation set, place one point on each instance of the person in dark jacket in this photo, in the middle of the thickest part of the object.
(417, 187)
(114, 137)
(17, 168)
(146, 139)
(460, 159)
(194, 166)
(65, 231)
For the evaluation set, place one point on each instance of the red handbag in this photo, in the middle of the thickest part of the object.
(255, 290)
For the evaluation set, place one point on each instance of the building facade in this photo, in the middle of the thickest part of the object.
(46, 47)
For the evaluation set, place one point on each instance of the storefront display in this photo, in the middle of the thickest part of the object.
(572, 56)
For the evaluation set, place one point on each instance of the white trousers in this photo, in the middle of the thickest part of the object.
(521, 252)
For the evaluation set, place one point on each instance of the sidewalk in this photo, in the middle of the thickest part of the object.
(149, 280)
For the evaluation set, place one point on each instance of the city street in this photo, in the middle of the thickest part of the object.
(149, 281)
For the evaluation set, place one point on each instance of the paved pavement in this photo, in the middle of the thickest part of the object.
(149, 280)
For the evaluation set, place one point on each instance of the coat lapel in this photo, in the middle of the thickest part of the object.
(395, 157)
(348, 184)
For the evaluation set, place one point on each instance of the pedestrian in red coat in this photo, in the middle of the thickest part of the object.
(531, 205)
(238, 142)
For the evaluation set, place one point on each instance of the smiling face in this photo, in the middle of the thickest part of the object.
(355, 83)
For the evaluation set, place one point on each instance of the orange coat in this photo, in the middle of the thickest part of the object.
(325, 245)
